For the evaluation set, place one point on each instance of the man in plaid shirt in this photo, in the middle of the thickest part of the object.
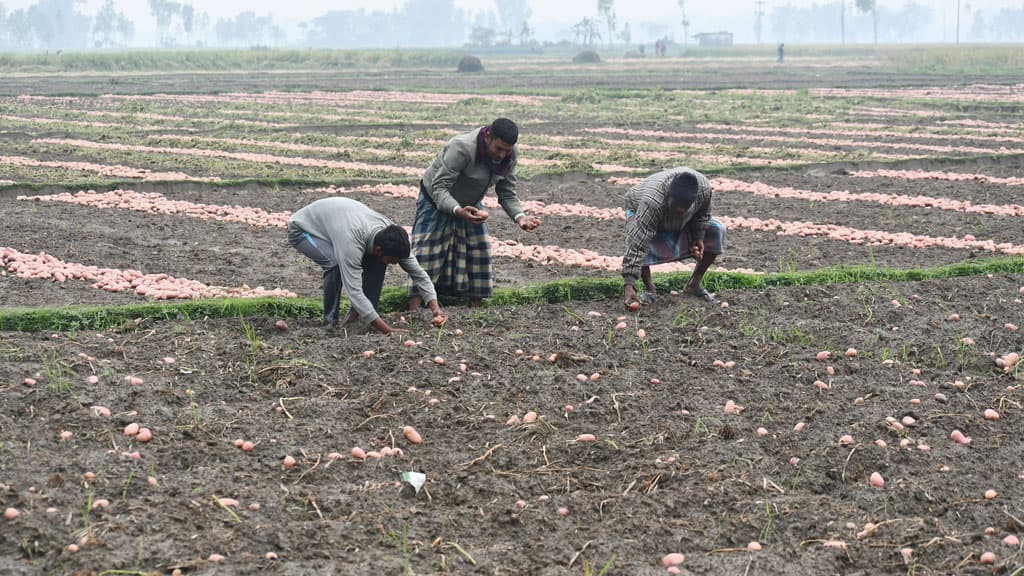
(668, 218)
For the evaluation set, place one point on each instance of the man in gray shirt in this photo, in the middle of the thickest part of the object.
(449, 237)
(354, 246)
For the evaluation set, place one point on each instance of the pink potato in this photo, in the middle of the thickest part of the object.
(959, 437)
(584, 438)
(145, 435)
(412, 435)
(281, 325)
(288, 462)
(131, 429)
(673, 559)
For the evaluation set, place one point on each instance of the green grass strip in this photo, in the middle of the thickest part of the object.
(394, 299)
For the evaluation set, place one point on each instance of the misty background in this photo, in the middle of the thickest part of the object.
(500, 25)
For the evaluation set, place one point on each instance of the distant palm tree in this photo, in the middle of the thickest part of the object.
(872, 5)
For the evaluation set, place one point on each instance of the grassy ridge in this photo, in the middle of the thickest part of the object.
(72, 318)
(998, 59)
(223, 59)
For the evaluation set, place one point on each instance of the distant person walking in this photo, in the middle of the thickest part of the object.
(449, 234)
(668, 218)
(782, 52)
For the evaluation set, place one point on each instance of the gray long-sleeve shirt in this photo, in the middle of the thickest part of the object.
(649, 200)
(350, 226)
(457, 178)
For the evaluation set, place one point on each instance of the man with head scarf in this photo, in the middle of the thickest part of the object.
(449, 234)
(668, 218)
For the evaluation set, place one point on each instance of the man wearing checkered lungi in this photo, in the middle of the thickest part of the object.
(449, 234)
(668, 218)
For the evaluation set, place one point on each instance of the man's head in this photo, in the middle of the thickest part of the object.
(502, 135)
(391, 244)
(682, 192)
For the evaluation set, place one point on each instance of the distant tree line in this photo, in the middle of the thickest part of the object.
(53, 24)
(871, 21)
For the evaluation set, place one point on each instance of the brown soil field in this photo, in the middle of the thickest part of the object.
(669, 472)
(669, 468)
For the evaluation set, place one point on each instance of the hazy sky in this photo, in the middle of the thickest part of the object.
(562, 10)
(550, 19)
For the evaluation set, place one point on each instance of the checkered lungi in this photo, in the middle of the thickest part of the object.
(455, 253)
(674, 245)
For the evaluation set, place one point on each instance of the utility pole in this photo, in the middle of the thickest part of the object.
(957, 21)
(758, 18)
(842, 21)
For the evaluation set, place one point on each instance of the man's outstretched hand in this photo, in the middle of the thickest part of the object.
(471, 214)
(528, 223)
(632, 302)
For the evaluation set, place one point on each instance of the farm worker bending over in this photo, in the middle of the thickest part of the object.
(449, 237)
(354, 245)
(668, 218)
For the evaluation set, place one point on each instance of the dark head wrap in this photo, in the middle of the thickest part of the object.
(684, 187)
